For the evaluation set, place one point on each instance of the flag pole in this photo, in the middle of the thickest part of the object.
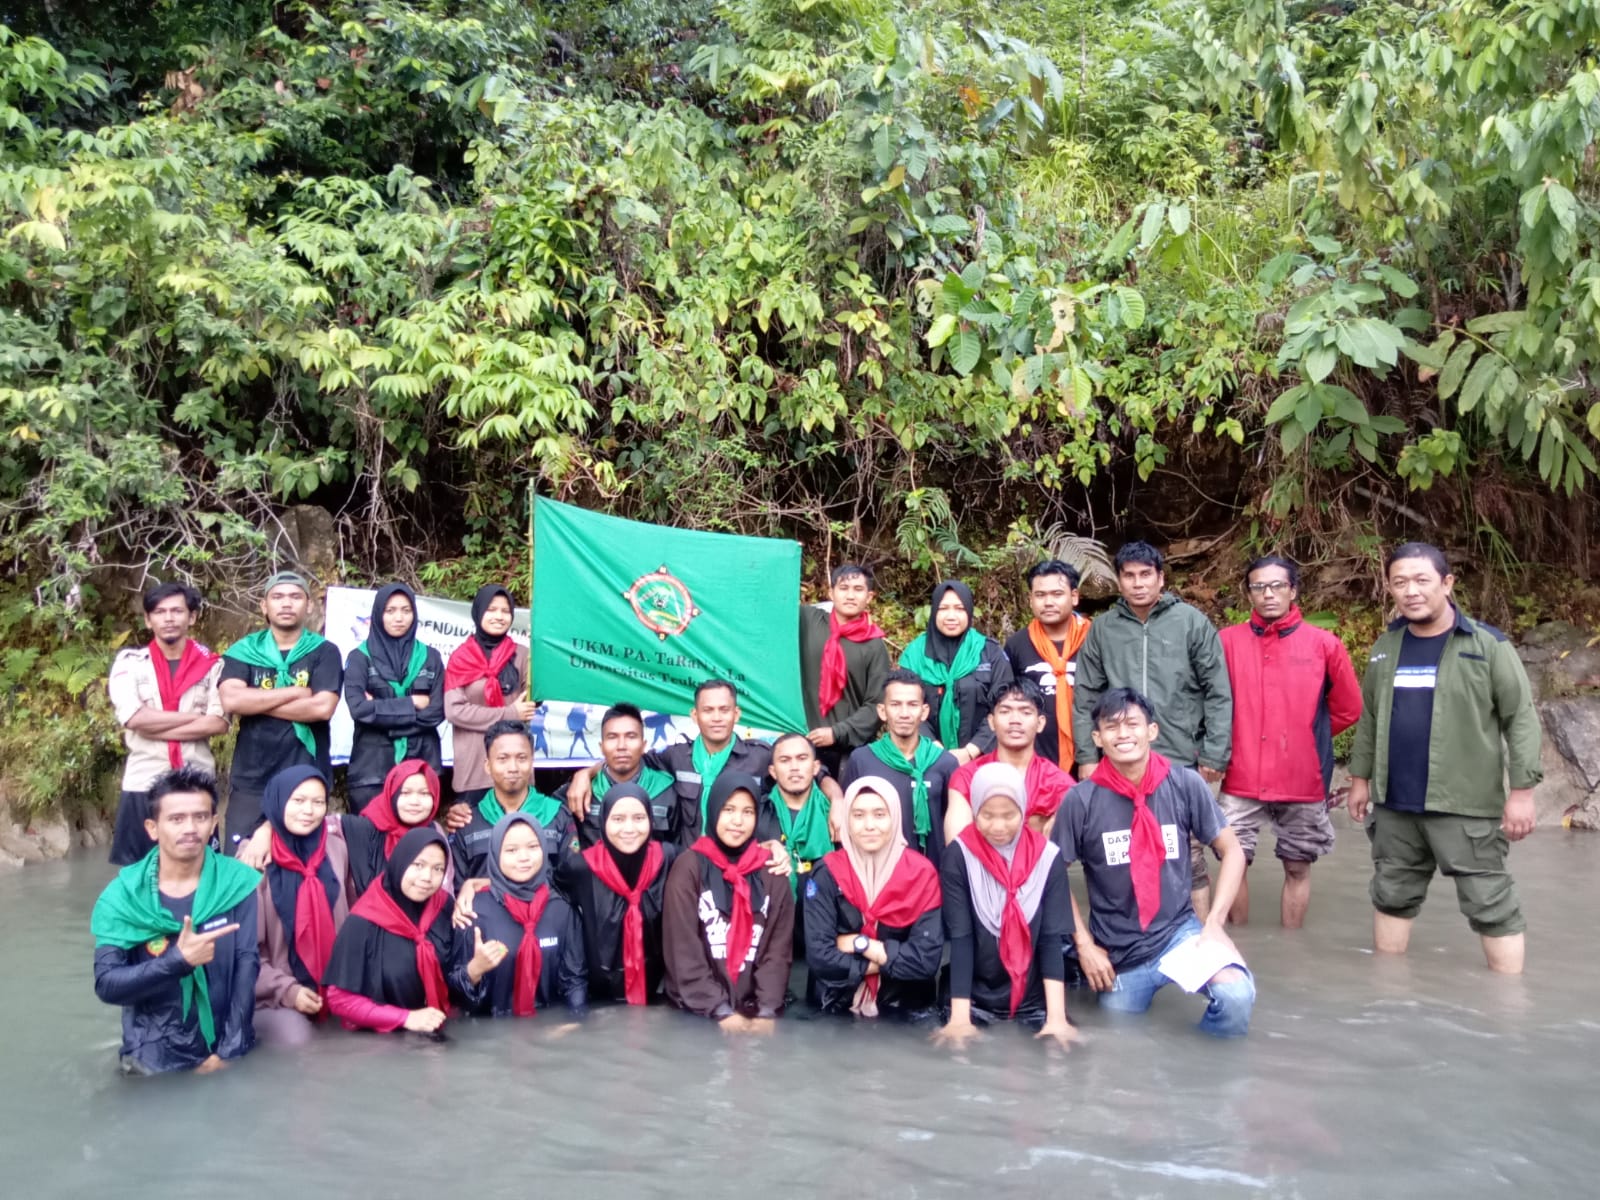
(533, 495)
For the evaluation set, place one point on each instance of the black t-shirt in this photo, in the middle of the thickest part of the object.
(268, 744)
(1411, 721)
(1027, 664)
(1094, 827)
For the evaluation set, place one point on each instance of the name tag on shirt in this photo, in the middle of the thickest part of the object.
(1117, 841)
(214, 923)
(1416, 677)
(688, 777)
(549, 943)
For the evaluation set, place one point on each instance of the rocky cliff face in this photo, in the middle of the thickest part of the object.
(1563, 664)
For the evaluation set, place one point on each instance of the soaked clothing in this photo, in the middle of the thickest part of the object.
(603, 913)
(563, 972)
(1094, 828)
(695, 932)
(162, 1024)
(908, 981)
(976, 970)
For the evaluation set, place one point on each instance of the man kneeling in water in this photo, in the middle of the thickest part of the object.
(1128, 824)
(175, 939)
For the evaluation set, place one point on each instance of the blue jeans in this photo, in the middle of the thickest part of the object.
(1227, 1014)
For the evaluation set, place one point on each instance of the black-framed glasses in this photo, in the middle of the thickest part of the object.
(1272, 585)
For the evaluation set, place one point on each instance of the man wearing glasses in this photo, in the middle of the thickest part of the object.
(1293, 689)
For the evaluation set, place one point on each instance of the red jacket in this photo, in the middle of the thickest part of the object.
(1293, 689)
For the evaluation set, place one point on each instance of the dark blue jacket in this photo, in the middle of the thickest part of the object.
(155, 1035)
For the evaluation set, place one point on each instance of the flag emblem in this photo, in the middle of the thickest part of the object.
(662, 603)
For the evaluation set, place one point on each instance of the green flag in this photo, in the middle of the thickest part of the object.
(624, 611)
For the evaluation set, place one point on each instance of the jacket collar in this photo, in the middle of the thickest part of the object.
(1283, 626)
(1462, 624)
(1163, 602)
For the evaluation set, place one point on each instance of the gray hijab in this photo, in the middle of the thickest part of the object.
(1001, 783)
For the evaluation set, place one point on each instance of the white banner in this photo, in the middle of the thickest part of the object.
(566, 733)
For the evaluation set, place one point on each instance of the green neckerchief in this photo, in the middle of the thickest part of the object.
(968, 655)
(708, 766)
(928, 752)
(260, 650)
(805, 833)
(419, 655)
(129, 913)
(543, 809)
(652, 781)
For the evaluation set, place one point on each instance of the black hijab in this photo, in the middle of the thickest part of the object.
(390, 656)
(722, 791)
(382, 966)
(628, 865)
(282, 884)
(480, 605)
(499, 884)
(940, 648)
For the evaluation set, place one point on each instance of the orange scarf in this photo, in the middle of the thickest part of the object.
(1057, 660)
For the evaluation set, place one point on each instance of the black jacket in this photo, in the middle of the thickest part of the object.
(563, 978)
(972, 699)
(386, 718)
(156, 1036)
(909, 980)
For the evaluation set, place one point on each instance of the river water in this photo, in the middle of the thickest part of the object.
(1422, 1077)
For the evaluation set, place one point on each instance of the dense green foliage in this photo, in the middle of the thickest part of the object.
(902, 280)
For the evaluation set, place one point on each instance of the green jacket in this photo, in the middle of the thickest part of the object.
(1175, 659)
(1482, 707)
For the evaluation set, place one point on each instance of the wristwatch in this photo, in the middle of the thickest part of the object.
(861, 943)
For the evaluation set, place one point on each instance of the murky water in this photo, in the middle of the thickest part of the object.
(1419, 1077)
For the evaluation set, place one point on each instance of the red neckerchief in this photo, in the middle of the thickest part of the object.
(313, 915)
(835, 674)
(530, 959)
(468, 664)
(1146, 850)
(379, 907)
(193, 664)
(605, 870)
(381, 811)
(1016, 939)
(741, 921)
(912, 890)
